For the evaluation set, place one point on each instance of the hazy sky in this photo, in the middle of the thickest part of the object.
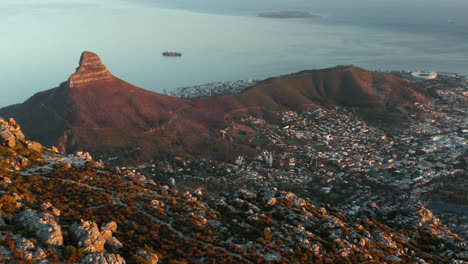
(457, 8)
(42, 39)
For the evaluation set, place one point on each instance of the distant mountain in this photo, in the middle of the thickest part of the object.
(98, 112)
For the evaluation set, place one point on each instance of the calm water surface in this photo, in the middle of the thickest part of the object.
(41, 43)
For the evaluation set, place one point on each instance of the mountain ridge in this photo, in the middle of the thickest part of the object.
(101, 113)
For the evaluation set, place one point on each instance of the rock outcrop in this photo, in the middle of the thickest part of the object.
(86, 235)
(102, 258)
(10, 133)
(2, 222)
(47, 207)
(107, 229)
(36, 146)
(144, 257)
(113, 245)
(6, 138)
(384, 239)
(91, 69)
(27, 248)
(18, 152)
(47, 229)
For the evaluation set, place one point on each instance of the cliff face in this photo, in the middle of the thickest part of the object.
(91, 69)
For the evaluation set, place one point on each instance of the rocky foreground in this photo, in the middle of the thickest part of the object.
(72, 209)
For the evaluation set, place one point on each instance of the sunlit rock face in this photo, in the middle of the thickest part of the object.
(10, 133)
(91, 69)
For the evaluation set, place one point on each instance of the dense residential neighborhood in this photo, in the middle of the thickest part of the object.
(343, 159)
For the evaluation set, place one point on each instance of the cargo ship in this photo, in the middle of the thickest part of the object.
(172, 53)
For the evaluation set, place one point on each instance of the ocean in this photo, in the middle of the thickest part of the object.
(222, 40)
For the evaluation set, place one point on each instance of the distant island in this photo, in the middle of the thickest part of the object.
(288, 14)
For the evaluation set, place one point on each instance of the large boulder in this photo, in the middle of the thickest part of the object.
(102, 258)
(107, 229)
(47, 207)
(113, 245)
(21, 244)
(6, 138)
(144, 257)
(30, 251)
(2, 222)
(32, 145)
(384, 239)
(10, 133)
(47, 229)
(16, 129)
(86, 235)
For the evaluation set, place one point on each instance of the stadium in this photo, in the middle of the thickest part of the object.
(424, 75)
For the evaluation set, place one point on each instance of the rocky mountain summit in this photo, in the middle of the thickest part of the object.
(90, 69)
(75, 210)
